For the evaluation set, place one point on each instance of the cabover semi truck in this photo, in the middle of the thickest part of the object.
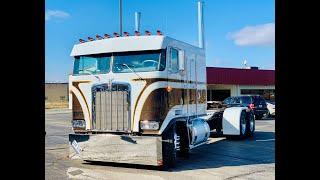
(141, 99)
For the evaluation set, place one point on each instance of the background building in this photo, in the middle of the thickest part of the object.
(225, 82)
(56, 92)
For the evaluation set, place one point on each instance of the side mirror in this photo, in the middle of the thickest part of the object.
(181, 60)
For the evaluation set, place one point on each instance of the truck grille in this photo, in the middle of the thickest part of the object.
(111, 107)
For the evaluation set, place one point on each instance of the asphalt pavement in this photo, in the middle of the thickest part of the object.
(253, 158)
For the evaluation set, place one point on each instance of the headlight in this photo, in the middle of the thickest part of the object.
(79, 124)
(149, 125)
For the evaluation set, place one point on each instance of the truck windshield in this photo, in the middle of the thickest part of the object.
(91, 64)
(142, 61)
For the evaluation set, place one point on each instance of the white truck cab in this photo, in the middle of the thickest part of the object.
(144, 68)
(142, 99)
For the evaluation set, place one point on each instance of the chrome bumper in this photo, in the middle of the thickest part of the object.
(146, 150)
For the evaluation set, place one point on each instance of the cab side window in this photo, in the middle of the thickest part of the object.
(174, 65)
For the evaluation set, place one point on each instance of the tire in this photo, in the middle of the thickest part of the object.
(169, 152)
(219, 131)
(182, 131)
(184, 153)
(243, 125)
(250, 124)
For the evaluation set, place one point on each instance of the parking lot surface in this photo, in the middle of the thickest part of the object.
(253, 158)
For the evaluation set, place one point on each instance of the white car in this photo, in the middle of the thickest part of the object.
(271, 108)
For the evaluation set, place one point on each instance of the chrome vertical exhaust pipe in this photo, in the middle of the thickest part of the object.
(137, 21)
(200, 24)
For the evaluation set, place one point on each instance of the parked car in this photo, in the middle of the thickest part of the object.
(214, 104)
(271, 105)
(255, 102)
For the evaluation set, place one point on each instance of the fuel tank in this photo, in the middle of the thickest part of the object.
(200, 131)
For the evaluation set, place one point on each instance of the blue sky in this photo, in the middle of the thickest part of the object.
(234, 29)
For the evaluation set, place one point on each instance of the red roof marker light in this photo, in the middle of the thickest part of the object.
(90, 39)
(115, 34)
(98, 37)
(126, 34)
(148, 33)
(106, 36)
(82, 41)
(137, 33)
(159, 32)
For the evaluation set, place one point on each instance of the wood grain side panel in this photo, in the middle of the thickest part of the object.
(77, 112)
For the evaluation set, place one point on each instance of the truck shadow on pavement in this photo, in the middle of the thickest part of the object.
(220, 152)
(123, 165)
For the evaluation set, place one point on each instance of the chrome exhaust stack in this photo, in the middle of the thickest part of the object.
(200, 25)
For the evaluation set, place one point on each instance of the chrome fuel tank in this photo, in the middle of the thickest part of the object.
(200, 131)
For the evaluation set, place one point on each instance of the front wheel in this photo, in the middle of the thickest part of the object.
(169, 147)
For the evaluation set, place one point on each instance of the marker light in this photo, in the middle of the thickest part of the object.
(148, 33)
(82, 41)
(137, 33)
(115, 34)
(98, 37)
(159, 32)
(126, 34)
(90, 39)
(106, 36)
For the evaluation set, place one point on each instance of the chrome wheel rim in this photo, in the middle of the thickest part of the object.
(176, 141)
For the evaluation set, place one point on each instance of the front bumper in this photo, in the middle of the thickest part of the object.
(146, 150)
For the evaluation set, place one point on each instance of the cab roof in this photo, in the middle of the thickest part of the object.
(127, 44)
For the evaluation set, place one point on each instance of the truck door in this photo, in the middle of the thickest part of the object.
(175, 77)
(192, 86)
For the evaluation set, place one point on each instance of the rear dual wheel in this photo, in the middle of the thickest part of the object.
(247, 124)
(243, 125)
(250, 124)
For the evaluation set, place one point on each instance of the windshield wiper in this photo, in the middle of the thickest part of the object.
(132, 70)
